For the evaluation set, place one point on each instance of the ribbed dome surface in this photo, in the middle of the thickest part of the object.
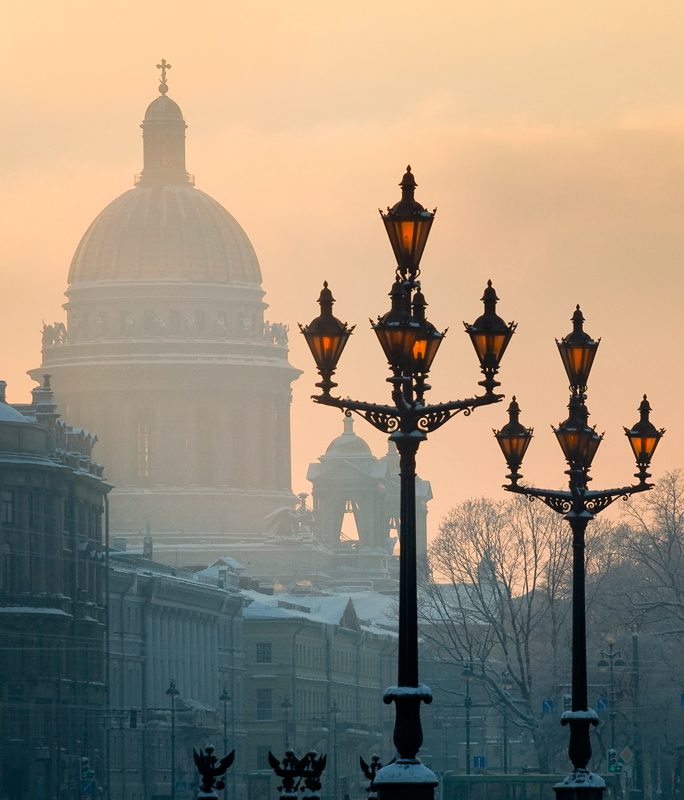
(165, 233)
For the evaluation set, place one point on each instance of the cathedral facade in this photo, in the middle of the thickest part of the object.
(167, 355)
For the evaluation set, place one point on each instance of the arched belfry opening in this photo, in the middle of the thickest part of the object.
(350, 483)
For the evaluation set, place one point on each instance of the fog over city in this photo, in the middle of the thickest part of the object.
(193, 550)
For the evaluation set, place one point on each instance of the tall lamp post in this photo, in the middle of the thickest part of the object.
(467, 703)
(286, 705)
(410, 343)
(506, 685)
(610, 660)
(226, 699)
(173, 693)
(579, 505)
(334, 714)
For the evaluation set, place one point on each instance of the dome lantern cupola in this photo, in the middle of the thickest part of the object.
(164, 140)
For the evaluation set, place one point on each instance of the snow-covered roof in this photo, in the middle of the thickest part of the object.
(375, 611)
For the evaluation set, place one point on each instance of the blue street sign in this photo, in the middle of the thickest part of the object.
(479, 762)
(86, 787)
(181, 786)
(547, 706)
(602, 704)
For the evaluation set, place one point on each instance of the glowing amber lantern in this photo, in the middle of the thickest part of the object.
(578, 441)
(326, 337)
(408, 224)
(490, 336)
(396, 331)
(514, 439)
(429, 338)
(577, 350)
(644, 438)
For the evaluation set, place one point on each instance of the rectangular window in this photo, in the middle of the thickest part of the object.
(263, 704)
(7, 510)
(263, 653)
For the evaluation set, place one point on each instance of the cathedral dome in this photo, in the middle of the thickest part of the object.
(165, 229)
(165, 233)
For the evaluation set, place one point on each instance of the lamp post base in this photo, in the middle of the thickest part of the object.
(580, 785)
(406, 779)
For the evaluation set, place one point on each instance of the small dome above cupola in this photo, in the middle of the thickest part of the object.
(348, 444)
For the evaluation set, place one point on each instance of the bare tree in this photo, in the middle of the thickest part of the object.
(653, 540)
(497, 601)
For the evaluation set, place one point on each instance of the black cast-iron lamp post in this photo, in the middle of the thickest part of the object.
(579, 505)
(173, 693)
(610, 660)
(410, 343)
(226, 699)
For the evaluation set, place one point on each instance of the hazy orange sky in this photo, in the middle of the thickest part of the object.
(549, 135)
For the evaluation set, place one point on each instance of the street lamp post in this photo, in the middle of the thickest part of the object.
(286, 705)
(610, 660)
(410, 343)
(579, 506)
(334, 713)
(467, 702)
(173, 694)
(226, 699)
(506, 685)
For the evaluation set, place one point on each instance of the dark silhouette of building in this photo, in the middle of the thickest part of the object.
(166, 353)
(52, 615)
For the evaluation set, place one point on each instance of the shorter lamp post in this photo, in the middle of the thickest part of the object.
(579, 506)
(286, 705)
(226, 699)
(173, 693)
(506, 686)
(334, 713)
(610, 660)
(467, 702)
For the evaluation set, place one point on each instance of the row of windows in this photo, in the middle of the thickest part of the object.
(310, 704)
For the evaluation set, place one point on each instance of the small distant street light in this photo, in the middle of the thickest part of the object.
(610, 660)
(410, 343)
(467, 702)
(226, 699)
(173, 693)
(506, 684)
(334, 714)
(286, 705)
(579, 506)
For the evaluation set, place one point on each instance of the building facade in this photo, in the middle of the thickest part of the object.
(171, 625)
(52, 595)
(314, 678)
(165, 317)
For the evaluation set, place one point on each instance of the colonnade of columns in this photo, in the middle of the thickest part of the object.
(181, 646)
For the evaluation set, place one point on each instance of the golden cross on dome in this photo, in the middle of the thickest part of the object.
(163, 88)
